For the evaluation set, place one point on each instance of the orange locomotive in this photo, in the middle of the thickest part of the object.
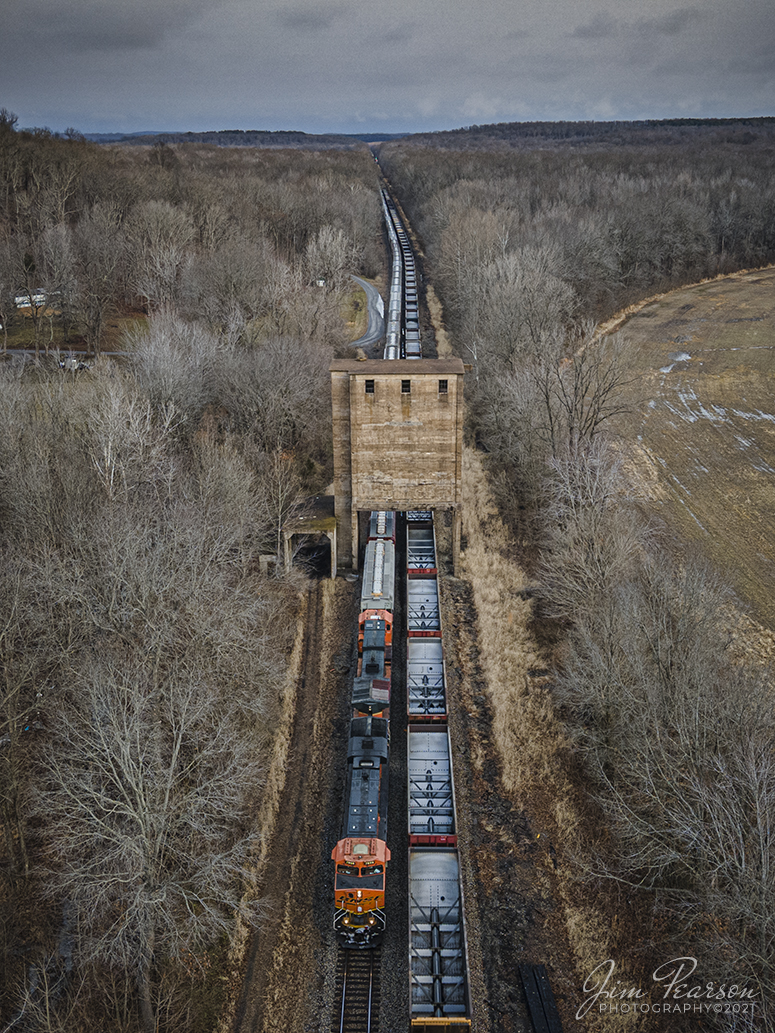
(361, 855)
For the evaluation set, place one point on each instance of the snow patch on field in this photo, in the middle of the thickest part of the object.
(758, 415)
(716, 413)
(681, 486)
(691, 514)
(687, 417)
(694, 409)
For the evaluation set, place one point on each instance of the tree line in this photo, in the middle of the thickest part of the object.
(676, 132)
(529, 250)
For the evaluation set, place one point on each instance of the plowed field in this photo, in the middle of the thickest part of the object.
(703, 424)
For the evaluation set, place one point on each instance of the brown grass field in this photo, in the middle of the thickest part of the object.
(701, 428)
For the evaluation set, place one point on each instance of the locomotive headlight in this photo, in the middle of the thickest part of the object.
(345, 920)
(372, 920)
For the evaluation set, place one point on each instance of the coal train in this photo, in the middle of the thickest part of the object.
(402, 331)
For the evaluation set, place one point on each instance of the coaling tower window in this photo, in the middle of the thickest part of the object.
(369, 387)
(443, 387)
(406, 387)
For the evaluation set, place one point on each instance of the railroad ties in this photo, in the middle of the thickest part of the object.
(540, 999)
(358, 991)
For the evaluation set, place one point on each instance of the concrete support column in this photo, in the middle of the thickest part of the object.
(457, 531)
(340, 401)
(354, 536)
(343, 532)
(287, 550)
(332, 539)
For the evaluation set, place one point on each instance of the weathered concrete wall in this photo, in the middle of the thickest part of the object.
(340, 402)
(399, 444)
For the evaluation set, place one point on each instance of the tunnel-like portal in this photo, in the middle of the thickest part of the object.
(304, 532)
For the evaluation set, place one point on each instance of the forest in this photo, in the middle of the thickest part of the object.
(671, 727)
(143, 649)
(674, 132)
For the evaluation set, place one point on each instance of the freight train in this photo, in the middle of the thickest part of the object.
(402, 336)
(361, 855)
(438, 974)
(438, 970)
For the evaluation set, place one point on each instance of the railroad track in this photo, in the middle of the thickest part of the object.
(358, 981)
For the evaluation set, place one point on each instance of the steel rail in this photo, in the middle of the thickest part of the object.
(360, 992)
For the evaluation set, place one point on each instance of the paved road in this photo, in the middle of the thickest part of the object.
(376, 328)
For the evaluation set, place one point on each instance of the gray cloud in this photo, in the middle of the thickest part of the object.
(671, 24)
(604, 25)
(83, 25)
(600, 27)
(400, 35)
(311, 19)
(337, 66)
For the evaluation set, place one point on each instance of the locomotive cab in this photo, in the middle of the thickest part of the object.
(359, 891)
(366, 624)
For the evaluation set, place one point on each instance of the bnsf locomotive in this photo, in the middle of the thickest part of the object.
(361, 855)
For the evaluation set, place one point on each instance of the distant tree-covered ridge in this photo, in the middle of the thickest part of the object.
(529, 135)
(252, 138)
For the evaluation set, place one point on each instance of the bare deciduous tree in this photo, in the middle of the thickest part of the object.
(7, 284)
(99, 249)
(160, 234)
(329, 256)
(679, 737)
(580, 393)
(138, 784)
(593, 540)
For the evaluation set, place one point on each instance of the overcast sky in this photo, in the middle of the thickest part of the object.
(392, 65)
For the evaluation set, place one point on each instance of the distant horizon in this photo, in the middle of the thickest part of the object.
(378, 134)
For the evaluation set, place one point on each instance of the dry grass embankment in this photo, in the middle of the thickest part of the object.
(443, 346)
(267, 816)
(355, 312)
(508, 648)
(539, 772)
